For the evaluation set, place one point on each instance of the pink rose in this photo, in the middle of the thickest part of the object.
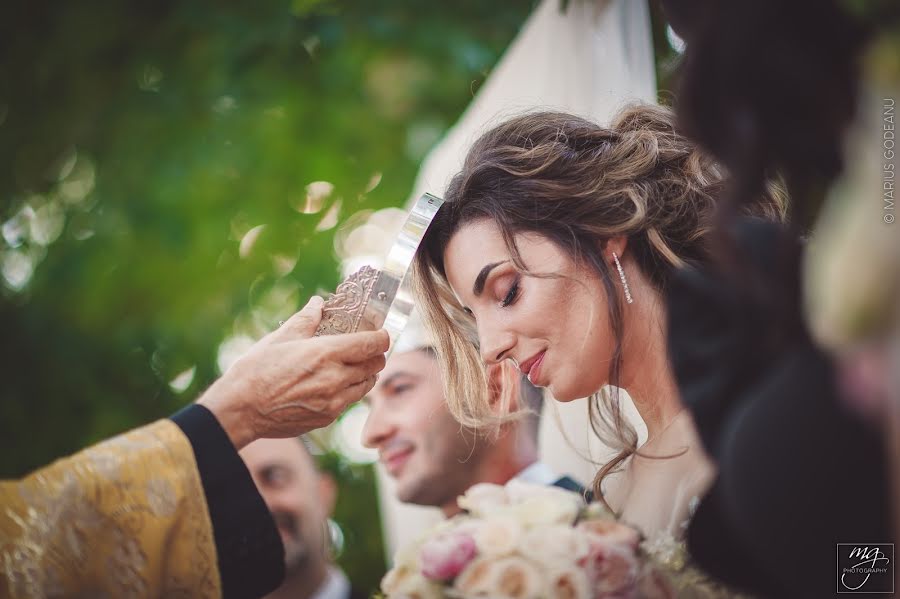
(611, 568)
(445, 556)
(612, 531)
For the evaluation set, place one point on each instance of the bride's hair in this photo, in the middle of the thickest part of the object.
(577, 184)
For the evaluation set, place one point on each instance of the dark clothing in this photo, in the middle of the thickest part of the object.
(799, 471)
(249, 549)
(570, 484)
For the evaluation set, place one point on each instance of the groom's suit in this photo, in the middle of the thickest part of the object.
(570, 484)
(541, 474)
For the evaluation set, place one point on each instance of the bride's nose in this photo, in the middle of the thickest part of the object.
(495, 343)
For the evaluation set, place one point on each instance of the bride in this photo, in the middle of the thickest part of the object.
(553, 250)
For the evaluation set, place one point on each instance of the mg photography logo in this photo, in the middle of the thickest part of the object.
(865, 568)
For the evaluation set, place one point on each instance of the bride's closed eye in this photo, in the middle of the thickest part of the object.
(512, 295)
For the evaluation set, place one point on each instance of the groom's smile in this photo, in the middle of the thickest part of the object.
(395, 455)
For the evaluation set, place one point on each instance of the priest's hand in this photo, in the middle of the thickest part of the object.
(290, 382)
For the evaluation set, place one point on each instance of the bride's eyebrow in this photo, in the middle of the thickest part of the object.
(480, 280)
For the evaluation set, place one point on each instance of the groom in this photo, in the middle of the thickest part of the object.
(424, 449)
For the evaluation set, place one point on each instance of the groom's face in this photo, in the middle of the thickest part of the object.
(421, 446)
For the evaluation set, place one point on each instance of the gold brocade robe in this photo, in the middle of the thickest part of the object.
(124, 518)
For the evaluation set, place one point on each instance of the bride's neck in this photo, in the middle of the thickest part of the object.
(646, 369)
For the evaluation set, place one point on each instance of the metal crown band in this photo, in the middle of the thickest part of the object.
(369, 298)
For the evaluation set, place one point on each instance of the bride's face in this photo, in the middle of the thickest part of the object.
(556, 330)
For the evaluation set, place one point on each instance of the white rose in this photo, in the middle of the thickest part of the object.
(511, 577)
(497, 536)
(519, 491)
(546, 509)
(475, 579)
(445, 526)
(516, 578)
(483, 499)
(556, 543)
(396, 577)
(567, 583)
(408, 556)
(465, 524)
(414, 586)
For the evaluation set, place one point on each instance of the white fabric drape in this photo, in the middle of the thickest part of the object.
(590, 60)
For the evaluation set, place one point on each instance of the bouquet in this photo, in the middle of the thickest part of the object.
(526, 541)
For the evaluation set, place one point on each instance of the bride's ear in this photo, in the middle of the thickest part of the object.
(614, 245)
(503, 388)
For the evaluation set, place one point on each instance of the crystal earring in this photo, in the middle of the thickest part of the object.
(628, 298)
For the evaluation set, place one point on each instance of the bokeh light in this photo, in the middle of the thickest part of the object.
(231, 350)
(17, 267)
(348, 435)
(183, 380)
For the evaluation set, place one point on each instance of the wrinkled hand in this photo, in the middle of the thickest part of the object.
(290, 382)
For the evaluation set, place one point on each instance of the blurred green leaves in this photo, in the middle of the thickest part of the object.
(172, 175)
(155, 164)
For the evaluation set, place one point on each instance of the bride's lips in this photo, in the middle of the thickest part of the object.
(532, 368)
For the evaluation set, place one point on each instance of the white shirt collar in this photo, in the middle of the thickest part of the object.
(538, 473)
(335, 585)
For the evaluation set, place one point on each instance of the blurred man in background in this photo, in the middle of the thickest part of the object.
(432, 458)
(301, 498)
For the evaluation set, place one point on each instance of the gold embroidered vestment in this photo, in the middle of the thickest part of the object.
(124, 518)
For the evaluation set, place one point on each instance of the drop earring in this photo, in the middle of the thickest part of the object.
(628, 298)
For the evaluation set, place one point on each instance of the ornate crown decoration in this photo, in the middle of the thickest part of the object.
(343, 311)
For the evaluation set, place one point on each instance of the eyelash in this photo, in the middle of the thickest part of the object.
(512, 295)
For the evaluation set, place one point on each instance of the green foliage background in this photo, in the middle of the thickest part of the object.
(140, 141)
